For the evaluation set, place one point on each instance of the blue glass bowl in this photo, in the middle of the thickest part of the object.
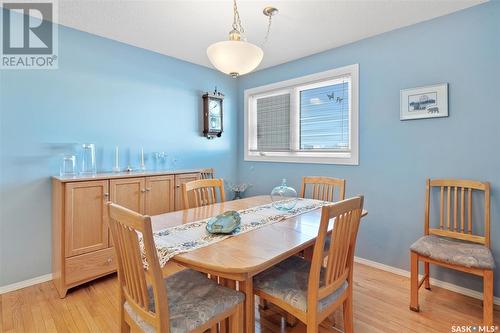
(225, 223)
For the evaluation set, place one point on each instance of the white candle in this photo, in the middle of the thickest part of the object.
(142, 166)
(117, 160)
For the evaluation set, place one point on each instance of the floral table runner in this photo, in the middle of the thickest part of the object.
(191, 236)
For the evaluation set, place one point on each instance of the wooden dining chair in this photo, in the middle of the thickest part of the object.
(186, 301)
(454, 244)
(323, 188)
(207, 173)
(202, 192)
(309, 291)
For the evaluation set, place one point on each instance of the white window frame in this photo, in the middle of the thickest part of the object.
(347, 157)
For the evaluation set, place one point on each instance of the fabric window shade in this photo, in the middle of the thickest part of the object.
(324, 116)
(273, 123)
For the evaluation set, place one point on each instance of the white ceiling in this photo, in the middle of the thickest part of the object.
(184, 29)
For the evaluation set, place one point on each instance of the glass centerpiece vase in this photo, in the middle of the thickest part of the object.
(284, 198)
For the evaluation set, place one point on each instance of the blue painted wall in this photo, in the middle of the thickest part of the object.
(111, 93)
(107, 93)
(462, 49)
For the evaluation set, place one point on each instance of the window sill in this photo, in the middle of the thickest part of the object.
(304, 157)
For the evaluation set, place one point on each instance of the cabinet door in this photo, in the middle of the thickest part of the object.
(129, 193)
(159, 195)
(179, 180)
(85, 217)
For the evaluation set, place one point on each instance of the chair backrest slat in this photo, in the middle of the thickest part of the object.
(346, 217)
(441, 211)
(125, 226)
(462, 210)
(202, 192)
(323, 188)
(455, 210)
(449, 207)
(469, 211)
(207, 173)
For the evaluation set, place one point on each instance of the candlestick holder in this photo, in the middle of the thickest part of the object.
(116, 167)
(142, 165)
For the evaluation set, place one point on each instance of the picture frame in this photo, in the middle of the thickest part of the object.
(424, 102)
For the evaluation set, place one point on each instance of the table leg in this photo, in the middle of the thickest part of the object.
(308, 253)
(247, 288)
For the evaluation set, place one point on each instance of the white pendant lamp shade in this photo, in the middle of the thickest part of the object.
(235, 57)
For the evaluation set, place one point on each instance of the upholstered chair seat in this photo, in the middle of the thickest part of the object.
(454, 251)
(192, 301)
(459, 242)
(288, 282)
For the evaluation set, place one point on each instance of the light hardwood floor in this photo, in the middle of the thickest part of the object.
(380, 305)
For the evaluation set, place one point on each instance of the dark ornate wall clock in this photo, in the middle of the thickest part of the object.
(212, 114)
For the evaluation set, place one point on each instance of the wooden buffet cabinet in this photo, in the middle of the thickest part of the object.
(82, 249)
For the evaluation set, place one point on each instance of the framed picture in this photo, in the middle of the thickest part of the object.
(424, 102)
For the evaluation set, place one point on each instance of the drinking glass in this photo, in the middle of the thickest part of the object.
(68, 166)
(88, 159)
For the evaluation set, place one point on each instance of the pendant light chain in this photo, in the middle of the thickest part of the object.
(239, 27)
(236, 19)
(268, 30)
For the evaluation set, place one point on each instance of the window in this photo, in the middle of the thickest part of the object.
(273, 123)
(312, 119)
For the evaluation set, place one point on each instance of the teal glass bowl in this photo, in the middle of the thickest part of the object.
(225, 223)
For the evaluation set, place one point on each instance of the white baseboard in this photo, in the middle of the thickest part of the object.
(25, 283)
(438, 283)
(370, 263)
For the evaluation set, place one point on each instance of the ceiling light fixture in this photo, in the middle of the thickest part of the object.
(236, 56)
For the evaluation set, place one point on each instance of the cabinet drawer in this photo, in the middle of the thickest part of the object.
(90, 265)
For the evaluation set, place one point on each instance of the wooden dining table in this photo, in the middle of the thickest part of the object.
(242, 257)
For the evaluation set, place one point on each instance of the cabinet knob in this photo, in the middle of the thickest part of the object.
(148, 189)
(177, 186)
(109, 261)
(106, 195)
(143, 190)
